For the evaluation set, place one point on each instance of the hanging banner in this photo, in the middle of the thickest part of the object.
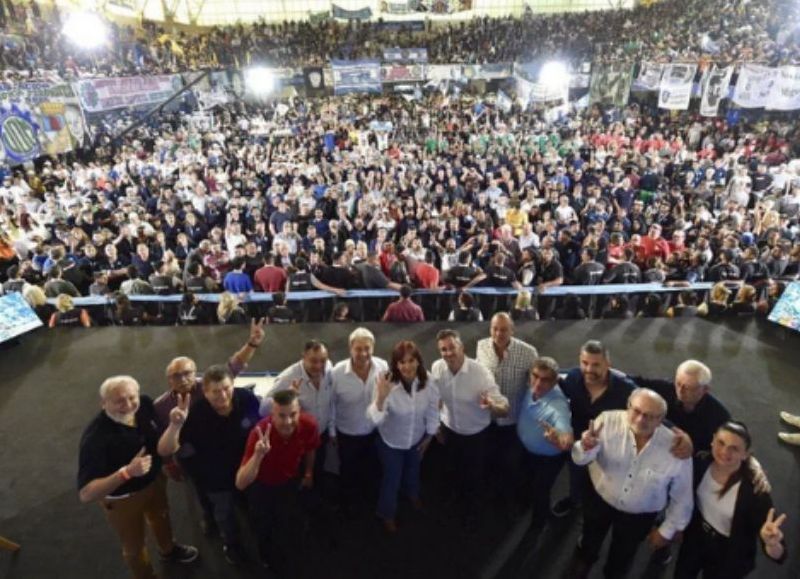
(398, 6)
(754, 85)
(786, 94)
(106, 94)
(649, 77)
(216, 89)
(714, 89)
(344, 14)
(402, 73)
(504, 102)
(405, 55)
(19, 135)
(611, 84)
(493, 71)
(314, 80)
(356, 76)
(676, 86)
(440, 72)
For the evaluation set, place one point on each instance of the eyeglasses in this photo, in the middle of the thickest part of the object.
(182, 375)
(645, 415)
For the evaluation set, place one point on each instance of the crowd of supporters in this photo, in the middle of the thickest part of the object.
(756, 31)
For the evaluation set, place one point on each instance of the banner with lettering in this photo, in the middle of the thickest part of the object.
(786, 94)
(406, 55)
(754, 85)
(675, 90)
(106, 94)
(714, 89)
(356, 76)
(344, 14)
(402, 73)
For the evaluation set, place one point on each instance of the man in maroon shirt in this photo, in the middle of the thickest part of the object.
(269, 278)
(270, 471)
(404, 310)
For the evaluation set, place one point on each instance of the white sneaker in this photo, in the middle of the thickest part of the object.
(792, 419)
(793, 438)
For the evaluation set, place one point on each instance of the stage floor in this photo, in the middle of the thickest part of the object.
(48, 393)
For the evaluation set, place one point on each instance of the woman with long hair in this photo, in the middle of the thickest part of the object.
(405, 408)
(67, 315)
(732, 513)
(229, 311)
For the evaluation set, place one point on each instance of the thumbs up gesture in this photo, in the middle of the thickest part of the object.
(591, 437)
(140, 464)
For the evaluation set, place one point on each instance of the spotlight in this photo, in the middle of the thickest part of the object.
(554, 74)
(85, 29)
(259, 80)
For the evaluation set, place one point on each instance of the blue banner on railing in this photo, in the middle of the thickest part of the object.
(405, 55)
(344, 14)
(356, 76)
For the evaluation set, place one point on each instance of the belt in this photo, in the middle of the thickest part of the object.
(709, 530)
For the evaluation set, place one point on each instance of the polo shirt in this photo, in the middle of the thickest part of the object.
(237, 282)
(106, 446)
(215, 443)
(270, 278)
(280, 465)
(404, 311)
(552, 408)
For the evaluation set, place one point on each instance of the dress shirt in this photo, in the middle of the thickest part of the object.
(639, 482)
(552, 408)
(511, 373)
(461, 393)
(406, 417)
(350, 397)
(316, 402)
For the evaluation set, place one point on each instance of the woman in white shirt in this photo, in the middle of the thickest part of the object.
(732, 513)
(405, 408)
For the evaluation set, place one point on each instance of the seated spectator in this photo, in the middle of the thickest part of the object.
(100, 285)
(341, 313)
(126, 314)
(35, 297)
(686, 306)
(523, 310)
(279, 313)
(652, 307)
(571, 309)
(229, 311)
(197, 281)
(774, 294)
(56, 286)
(617, 308)
(67, 315)
(134, 286)
(717, 305)
(404, 310)
(163, 281)
(744, 304)
(191, 312)
(465, 310)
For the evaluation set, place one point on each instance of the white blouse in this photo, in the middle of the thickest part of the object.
(406, 418)
(717, 512)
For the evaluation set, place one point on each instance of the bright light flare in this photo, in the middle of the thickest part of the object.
(555, 74)
(259, 80)
(85, 29)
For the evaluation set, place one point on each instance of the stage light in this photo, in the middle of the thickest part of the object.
(259, 80)
(554, 74)
(85, 29)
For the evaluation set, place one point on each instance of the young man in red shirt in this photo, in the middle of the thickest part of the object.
(270, 471)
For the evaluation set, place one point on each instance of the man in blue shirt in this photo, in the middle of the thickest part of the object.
(236, 281)
(545, 430)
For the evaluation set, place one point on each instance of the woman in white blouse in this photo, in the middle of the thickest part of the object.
(405, 408)
(732, 514)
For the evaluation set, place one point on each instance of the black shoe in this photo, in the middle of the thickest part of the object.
(181, 554)
(234, 555)
(562, 508)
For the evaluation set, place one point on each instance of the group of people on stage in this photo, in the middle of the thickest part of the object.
(648, 459)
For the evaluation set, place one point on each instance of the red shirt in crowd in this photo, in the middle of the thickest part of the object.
(655, 247)
(426, 276)
(282, 462)
(270, 278)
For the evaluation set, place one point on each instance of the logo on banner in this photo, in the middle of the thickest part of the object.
(315, 78)
(18, 135)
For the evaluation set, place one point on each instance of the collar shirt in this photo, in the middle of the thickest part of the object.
(511, 373)
(584, 409)
(315, 401)
(350, 397)
(406, 418)
(552, 408)
(639, 482)
(461, 393)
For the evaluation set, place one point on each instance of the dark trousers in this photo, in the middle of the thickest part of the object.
(541, 473)
(504, 461)
(467, 457)
(627, 531)
(357, 467)
(704, 550)
(274, 513)
(579, 482)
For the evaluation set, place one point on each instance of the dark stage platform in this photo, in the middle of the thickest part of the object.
(48, 393)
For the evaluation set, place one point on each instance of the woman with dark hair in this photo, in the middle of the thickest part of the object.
(405, 408)
(731, 515)
(653, 307)
(465, 310)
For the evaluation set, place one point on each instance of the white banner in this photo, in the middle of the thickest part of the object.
(438, 72)
(649, 77)
(714, 89)
(754, 86)
(105, 94)
(676, 86)
(786, 94)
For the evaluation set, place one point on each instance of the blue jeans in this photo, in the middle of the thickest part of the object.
(400, 468)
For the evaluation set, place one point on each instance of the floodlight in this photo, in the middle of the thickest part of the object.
(554, 74)
(259, 80)
(85, 29)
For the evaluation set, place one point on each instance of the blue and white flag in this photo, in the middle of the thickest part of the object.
(356, 76)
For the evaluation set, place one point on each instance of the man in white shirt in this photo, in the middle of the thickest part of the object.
(510, 360)
(470, 398)
(351, 430)
(634, 476)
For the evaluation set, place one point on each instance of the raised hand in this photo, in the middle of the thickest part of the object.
(180, 413)
(485, 401)
(384, 385)
(591, 437)
(257, 331)
(682, 447)
(262, 443)
(550, 433)
(771, 532)
(296, 384)
(141, 463)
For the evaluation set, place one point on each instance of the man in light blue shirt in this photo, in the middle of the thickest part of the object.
(545, 430)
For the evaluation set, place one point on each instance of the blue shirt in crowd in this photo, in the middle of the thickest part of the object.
(552, 408)
(237, 282)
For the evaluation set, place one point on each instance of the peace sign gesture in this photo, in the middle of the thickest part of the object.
(262, 441)
(180, 413)
(257, 332)
(296, 384)
(591, 437)
(550, 433)
(771, 532)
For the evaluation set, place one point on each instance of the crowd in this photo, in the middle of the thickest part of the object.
(756, 31)
(664, 457)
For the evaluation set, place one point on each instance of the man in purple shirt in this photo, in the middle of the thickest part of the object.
(404, 310)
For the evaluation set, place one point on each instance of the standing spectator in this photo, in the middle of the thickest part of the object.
(67, 315)
(237, 281)
(270, 278)
(403, 310)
